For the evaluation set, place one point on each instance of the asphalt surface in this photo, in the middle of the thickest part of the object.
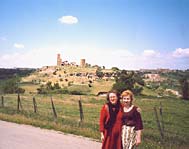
(16, 136)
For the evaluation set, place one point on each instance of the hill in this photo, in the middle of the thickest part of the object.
(70, 77)
(9, 73)
(175, 112)
(86, 80)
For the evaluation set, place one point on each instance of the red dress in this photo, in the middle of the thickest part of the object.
(112, 135)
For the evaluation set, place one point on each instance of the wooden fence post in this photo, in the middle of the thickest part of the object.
(19, 105)
(34, 105)
(161, 114)
(2, 101)
(158, 124)
(54, 110)
(81, 110)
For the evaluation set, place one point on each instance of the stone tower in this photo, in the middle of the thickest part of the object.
(82, 63)
(59, 60)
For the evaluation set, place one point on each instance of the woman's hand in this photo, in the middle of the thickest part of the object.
(138, 137)
(102, 136)
(138, 141)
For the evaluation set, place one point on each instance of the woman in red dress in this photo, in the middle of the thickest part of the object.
(111, 122)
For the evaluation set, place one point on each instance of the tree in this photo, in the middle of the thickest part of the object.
(115, 68)
(184, 87)
(128, 80)
(11, 86)
(42, 90)
(49, 85)
(99, 73)
(57, 86)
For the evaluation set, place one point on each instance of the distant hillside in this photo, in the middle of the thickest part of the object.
(87, 80)
(72, 77)
(9, 73)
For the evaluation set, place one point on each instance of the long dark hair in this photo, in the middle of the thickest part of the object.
(113, 109)
(115, 92)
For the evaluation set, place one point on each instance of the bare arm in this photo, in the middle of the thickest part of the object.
(102, 136)
(138, 137)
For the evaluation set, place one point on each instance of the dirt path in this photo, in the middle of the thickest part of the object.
(15, 136)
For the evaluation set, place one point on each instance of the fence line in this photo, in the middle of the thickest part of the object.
(81, 110)
(54, 110)
(34, 105)
(19, 105)
(75, 115)
(2, 101)
(160, 124)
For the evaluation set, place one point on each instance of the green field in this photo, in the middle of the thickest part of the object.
(175, 117)
(174, 110)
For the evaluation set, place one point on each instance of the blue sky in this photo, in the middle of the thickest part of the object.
(128, 34)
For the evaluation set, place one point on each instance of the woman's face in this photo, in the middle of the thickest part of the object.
(113, 98)
(127, 101)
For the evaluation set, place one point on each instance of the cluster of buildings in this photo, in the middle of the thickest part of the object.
(66, 63)
(153, 77)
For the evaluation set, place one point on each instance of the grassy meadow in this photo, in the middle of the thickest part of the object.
(174, 121)
(175, 116)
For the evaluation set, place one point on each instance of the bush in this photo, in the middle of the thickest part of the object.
(76, 93)
(11, 86)
(20, 90)
(79, 89)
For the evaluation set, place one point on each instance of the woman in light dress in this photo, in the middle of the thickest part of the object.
(131, 122)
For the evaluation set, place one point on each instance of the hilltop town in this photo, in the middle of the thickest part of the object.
(91, 79)
(84, 75)
(66, 73)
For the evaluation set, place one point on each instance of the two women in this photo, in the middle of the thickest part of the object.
(120, 124)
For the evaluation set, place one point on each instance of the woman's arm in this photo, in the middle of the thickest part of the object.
(103, 117)
(139, 126)
(102, 136)
(138, 120)
(138, 137)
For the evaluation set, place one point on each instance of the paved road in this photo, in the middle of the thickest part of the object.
(15, 136)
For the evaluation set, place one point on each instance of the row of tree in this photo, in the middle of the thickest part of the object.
(123, 80)
(11, 86)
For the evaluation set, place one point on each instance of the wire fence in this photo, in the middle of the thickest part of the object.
(78, 111)
(51, 109)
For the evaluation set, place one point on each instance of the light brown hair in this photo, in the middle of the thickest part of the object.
(127, 93)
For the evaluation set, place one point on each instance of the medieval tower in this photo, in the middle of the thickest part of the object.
(59, 60)
(82, 63)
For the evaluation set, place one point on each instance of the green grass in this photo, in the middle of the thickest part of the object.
(30, 87)
(149, 92)
(175, 116)
(101, 85)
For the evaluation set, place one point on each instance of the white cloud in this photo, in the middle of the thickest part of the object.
(68, 20)
(149, 59)
(180, 53)
(150, 53)
(18, 46)
(35, 58)
(123, 58)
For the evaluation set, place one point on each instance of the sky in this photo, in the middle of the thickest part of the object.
(128, 34)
